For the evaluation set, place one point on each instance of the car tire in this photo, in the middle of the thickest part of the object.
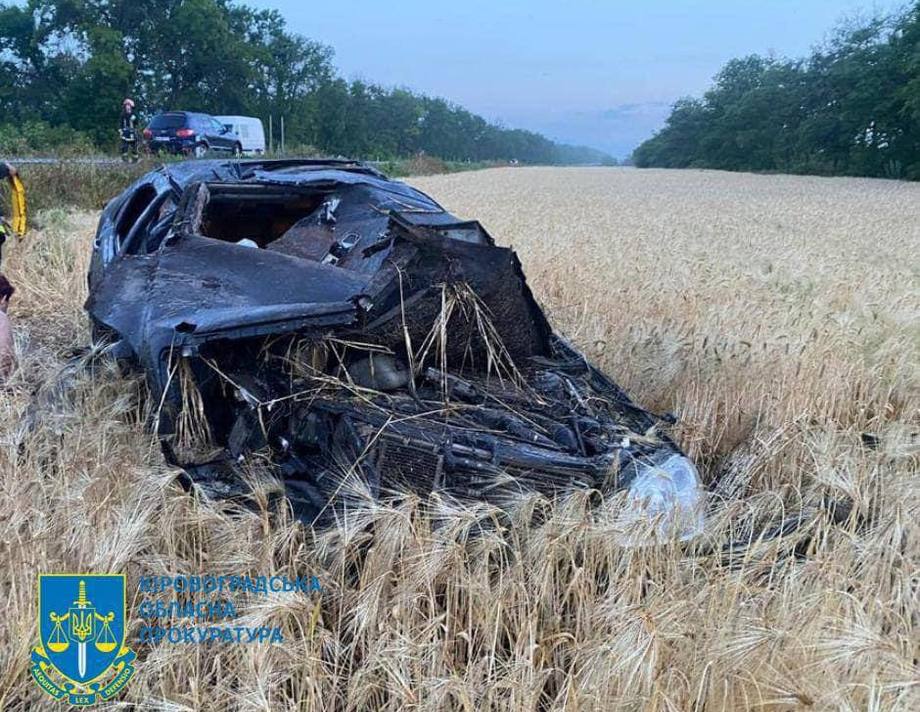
(201, 150)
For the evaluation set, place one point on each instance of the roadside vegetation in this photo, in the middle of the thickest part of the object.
(66, 66)
(850, 108)
(739, 302)
(66, 185)
(88, 186)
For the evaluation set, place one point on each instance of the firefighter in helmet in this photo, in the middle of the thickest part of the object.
(127, 131)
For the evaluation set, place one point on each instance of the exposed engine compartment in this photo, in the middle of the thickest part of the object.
(348, 333)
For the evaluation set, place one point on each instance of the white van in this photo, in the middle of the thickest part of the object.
(250, 131)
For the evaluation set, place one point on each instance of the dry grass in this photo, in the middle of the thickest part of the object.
(777, 315)
(87, 186)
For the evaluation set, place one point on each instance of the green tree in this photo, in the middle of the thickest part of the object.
(68, 64)
(99, 86)
(850, 108)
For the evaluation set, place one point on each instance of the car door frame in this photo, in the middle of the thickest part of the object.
(223, 141)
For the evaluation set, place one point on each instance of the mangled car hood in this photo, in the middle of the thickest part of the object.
(346, 330)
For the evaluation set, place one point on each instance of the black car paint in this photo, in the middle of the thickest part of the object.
(209, 134)
(163, 290)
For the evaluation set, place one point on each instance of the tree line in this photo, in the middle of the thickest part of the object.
(66, 65)
(850, 108)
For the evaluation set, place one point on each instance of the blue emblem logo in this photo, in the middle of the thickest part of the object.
(81, 652)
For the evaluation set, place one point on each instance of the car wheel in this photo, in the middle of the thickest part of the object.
(201, 150)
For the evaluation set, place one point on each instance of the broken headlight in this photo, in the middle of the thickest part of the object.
(665, 500)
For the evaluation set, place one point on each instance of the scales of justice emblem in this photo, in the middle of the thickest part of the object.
(81, 652)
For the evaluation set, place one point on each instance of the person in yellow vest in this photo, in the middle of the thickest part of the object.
(7, 352)
(18, 217)
(7, 172)
(16, 222)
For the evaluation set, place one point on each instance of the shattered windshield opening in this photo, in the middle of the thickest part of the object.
(260, 219)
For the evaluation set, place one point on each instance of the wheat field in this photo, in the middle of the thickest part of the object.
(778, 318)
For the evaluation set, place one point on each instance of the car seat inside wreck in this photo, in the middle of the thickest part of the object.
(346, 334)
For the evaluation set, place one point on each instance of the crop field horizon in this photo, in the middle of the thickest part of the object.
(778, 317)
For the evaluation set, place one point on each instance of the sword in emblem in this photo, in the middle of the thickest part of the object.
(81, 625)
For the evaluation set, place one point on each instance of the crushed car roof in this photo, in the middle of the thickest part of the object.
(347, 333)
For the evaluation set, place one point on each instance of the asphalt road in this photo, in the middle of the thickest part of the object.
(53, 161)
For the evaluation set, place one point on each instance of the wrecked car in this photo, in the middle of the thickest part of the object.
(344, 331)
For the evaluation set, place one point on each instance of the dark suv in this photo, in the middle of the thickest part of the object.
(191, 134)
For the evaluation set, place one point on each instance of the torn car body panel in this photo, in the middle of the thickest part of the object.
(348, 332)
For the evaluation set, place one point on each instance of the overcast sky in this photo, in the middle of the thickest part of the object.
(582, 71)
